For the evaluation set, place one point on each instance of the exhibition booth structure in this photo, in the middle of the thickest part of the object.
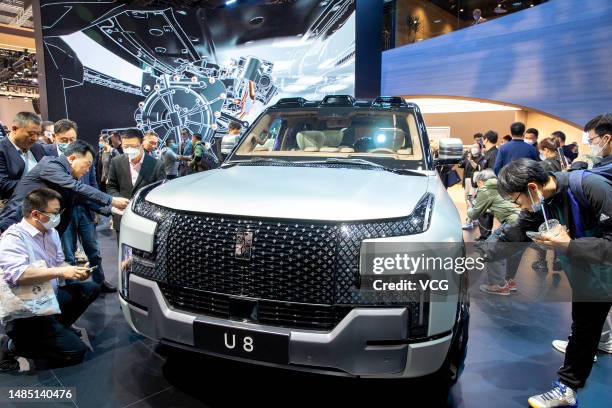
(332, 245)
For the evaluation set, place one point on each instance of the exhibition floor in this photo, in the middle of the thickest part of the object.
(509, 359)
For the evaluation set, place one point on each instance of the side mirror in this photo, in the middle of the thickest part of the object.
(450, 151)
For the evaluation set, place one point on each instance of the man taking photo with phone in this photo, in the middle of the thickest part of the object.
(45, 337)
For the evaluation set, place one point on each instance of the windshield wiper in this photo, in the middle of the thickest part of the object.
(365, 163)
(253, 160)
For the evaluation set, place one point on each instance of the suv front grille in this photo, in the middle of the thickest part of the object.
(293, 315)
(299, 262)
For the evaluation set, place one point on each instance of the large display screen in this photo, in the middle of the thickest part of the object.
(112, 66)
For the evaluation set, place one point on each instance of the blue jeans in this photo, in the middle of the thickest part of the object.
(83, 226)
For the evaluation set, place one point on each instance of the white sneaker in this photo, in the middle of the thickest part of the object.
(560, 396)
(605, 346)
(561, 345)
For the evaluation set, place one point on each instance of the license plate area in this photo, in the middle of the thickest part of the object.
(243, 343)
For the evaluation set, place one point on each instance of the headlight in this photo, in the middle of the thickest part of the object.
(139, 197)
(137, 262)
(140, 205)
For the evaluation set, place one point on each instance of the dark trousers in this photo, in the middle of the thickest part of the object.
(485, 225)
(587, 323)
(48, 337)
(83, 226)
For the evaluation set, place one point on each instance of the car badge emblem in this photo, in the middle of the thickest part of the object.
(244, 245)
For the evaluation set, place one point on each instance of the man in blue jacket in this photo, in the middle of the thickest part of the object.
(61, 174)
(82, 225)
(515, 149)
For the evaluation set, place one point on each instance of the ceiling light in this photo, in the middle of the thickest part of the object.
(437, 21)
(461, 10)
(230, 2)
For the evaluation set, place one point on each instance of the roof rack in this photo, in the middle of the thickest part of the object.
(291, 102)
(338, 100)
(389, 102)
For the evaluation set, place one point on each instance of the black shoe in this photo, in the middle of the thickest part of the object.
(75, 330)
(106, 287)
(8, 362)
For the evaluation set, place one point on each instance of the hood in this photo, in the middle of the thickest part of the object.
(491, 184)
(306, 193)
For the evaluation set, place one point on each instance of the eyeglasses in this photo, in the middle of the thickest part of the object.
(51, 214)
(516, 199)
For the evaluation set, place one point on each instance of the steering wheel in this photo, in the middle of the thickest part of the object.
(382, 150)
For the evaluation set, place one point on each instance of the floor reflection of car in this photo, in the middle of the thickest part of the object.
(259, 260)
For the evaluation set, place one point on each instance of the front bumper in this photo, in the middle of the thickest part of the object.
(367, 342)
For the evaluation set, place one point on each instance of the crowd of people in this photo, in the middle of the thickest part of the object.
(53, 185)
(526, 183)
(54, 189)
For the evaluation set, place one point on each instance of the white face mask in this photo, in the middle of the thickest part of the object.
(596, 149)
(536, 206)
(475, 151)
(53, 222)
(131, 152)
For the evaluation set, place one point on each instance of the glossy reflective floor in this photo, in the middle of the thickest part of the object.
(509, 359)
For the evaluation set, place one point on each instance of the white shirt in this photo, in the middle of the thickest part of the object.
(135, 168)
(14, 259)
(28, 158)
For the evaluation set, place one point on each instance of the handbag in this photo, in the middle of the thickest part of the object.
(452, 178)
(23, 301)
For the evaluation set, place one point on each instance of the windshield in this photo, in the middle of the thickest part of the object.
(390, 138)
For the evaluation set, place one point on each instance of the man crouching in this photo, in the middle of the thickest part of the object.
(48, 338)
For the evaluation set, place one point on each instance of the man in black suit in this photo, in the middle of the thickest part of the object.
(19, 152)
(82, 225)
(61, 174)
(132, 170)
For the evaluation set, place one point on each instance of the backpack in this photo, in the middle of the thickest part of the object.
(576, 193)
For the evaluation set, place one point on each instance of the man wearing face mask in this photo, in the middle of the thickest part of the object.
(599, 131)
(132, 170)
(61, 174)
(531, 138)
(82, 225)
(64, 133)
(43, 337)
(584, 244)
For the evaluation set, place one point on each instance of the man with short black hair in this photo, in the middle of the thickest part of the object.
(61, 174)
(131, 171)
(43, 337)
(65, 132)
(584, 245)
(599, 131)
(19, 152)
(478, 138)
(150, 143)
(515, 149)
(531, 136)
(82, 225)
(568, 150)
